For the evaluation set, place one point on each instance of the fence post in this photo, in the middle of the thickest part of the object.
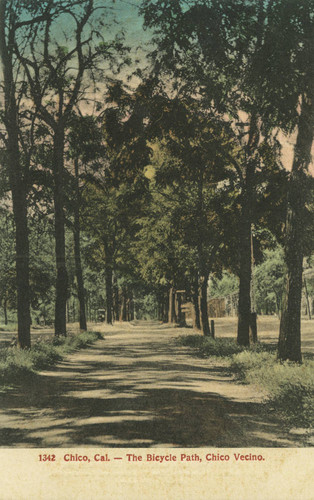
(212, 328)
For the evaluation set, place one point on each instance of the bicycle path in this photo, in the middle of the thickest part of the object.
(138, 388)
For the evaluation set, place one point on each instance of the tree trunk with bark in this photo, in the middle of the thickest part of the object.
(132, 315)
(172, 317)
(244, 307)
(116, 305)
(124, 305)
(5, 311)
(197, 319)
(203, 306)
(245, 234)
(308, 306)
(109, 288)
(62, 277)
(289, 346)
(77, 250)
(181, 314)
(165, 313)
(18, 185)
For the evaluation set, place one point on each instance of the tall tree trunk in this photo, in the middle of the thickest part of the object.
(166, 307)
(68, 311)
(77, 250)
(128, 314)
(201, 258)
(195, 292)
(203, 305)
(18, 186)
(307, 299)
(172, 309)
(132, 307)
(5, 311)
(88, 306)
(116, 306)
(109, 293)
(127, 309)
(124, 305)
(244, 308)
(62, 278)
(253, 327)
(181, 314)
(159, 309)
(170, 301)
(245, 234)
(289, 346)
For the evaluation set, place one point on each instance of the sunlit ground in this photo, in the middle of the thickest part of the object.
(267, 330)
(267, 327)
(139, 388)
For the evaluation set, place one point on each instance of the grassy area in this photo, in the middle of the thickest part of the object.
(10, 327)
(290, 387)
(17, 363)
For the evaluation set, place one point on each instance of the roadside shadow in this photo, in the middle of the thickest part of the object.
(133, 409)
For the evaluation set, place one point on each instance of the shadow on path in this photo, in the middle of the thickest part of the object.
(137, 388)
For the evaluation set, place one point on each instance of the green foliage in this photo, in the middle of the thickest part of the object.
(146, 307)
(16, 363)
(70, 343)
(249, 360)
(42, 269)
(211, 347)
(269, 280)
(237, 55)
(228, 284)
(289, 387)
(44, 355)
(42, 272)
(7, 261)
(10, 327)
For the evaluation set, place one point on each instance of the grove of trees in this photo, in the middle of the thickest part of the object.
(128, 183)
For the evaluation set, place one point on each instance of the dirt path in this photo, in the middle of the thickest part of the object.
(137, 388)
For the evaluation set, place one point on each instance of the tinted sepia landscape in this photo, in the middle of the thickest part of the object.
(156, 215)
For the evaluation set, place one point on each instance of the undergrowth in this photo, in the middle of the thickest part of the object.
(15, 364)
(289, 386)
(221, 347)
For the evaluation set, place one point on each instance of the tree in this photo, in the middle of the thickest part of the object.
(269, 279)
(7, 271)
(123, 182)
(211, 50)
(163, 259)
(55, 68)
(85, 147)
(17, 171)
(196, 162)
(288, 78)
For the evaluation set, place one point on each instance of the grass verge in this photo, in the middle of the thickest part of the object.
(16, 363)
(289, 386)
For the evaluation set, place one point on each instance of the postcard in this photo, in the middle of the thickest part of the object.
(156, 249)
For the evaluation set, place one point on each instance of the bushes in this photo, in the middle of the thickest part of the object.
(221, 347)
(68, 344)
(44, 355)
(289, 387)
(251, 361)
(16, 363)
(211, 347)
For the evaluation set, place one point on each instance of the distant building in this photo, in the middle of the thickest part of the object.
(219, 307)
